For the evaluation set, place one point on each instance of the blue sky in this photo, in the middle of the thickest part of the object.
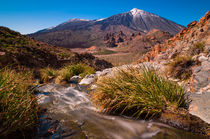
(27, 16)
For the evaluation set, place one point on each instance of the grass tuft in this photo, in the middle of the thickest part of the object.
(18, 105)
(180, 67)
(79, 69)
(137, 92)
(47, 74)
(197, 48)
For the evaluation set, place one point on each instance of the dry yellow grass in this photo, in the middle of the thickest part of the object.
(18, 105)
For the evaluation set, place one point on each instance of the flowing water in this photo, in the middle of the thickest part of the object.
(70, 114)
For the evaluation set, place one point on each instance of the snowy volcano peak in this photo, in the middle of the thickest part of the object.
(137, 12)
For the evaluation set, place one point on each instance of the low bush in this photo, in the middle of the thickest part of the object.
(18, 105)
(180, 67)
(137, 92)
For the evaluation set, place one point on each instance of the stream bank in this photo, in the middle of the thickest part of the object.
(70, 114)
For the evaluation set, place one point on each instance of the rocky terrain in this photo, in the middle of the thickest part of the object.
(125, 49)
(189, 50)
(143, 43)
(136, 42)
(21, 51)
(81, 33)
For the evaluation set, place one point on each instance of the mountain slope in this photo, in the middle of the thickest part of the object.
(85, 33)
(21, 51)
(186, 58)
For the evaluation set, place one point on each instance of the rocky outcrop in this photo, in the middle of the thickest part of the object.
(136, 42)
(193, 42)
(113, 39)
(144, 43)
(195, 32)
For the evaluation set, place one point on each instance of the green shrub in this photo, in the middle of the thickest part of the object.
(47, 74)
(79, 69)
(18, 106)
(180, 67)
(137, 92)
(197, 48)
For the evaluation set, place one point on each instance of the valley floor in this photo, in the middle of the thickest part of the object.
(116, 56)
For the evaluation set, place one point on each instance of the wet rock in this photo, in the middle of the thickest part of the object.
(51, 128)
(75, 79)
(104, 72)
(182, 119)
(87, 80)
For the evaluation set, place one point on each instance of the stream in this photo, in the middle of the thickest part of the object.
(69, 114)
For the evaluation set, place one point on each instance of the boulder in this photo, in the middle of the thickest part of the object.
(202, 78)
(200, 106)
(88, 79)
(75, 79)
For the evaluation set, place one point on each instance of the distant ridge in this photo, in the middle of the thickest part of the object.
(85, 33)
